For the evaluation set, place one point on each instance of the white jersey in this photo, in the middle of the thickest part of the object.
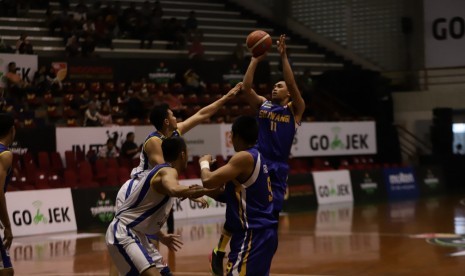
(144, 164)
(144, 209)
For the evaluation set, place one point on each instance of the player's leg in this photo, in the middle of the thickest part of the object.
(6, 268)
(152, 271)
(126, 250)
(155, 255)
(252, 253)
(218, 253)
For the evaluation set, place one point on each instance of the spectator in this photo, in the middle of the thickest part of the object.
(80, 13)
(91, 116)
(153, 29)
(174, 34)
(24, 46)
(108, 150)
(193, 82)
(191, 25)
(40, 81)
(238, 55)
(72, 46)
(129, 149)
(16, 87)
(134, 106)
(104, 116)
(102, 35)
(196, 49)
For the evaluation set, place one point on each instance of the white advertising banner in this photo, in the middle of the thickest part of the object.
(341, 138)
(85, 138)
(333, 186)
(444, 29)
(26, 66)
(189, 209)
(41, 211)
(201, 140)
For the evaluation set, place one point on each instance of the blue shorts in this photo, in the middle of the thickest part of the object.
(278, 172)
(5, 261)
(252, 252)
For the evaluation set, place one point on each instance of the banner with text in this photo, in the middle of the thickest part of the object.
(41, 211)
(401, 183)
(341, 138)
(333, 186)
(26, 66)
(444, 29)
(86, 138)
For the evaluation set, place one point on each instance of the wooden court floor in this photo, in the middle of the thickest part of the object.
(421, 237)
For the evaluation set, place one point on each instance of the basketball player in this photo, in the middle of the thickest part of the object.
(278, 120)
(165, 122)
(7, 135)
(249, 202)
(145, 211)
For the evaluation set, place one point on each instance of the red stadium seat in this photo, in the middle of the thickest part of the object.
(123, 175)
(101, 170)
(112, 177)
(86, 176)
(44, 161)
(70, 179)
(56, 164)
(70, 159)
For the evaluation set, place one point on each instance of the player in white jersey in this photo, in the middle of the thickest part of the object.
(166, 125)
(145, 211)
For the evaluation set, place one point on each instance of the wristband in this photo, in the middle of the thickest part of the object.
(204, 165)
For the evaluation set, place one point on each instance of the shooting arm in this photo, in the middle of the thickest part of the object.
(250, 95)
(153, 150)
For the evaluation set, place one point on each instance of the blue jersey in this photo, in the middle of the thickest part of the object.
(144, 160)
(3, 149)
(277, 128)
(249, 205)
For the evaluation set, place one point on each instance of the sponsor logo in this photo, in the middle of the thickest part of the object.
(335, 142)
(430, 180)
(401, 178)
(37, 216)
(368, 185)
(333, 189)
(445, 28)
(105, 208)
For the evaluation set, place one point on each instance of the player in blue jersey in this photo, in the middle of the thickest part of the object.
(146, 210)
(278, 120)
(249, 202)
(7, 135)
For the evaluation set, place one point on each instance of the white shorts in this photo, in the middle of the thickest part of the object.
(132, 252)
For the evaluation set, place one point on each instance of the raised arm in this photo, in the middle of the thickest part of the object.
(240, 164)
(168, 185)
(250, 95)
(6, 160)
(298, 103)
(208, 111)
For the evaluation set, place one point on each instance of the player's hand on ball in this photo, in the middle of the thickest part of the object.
(260, 58)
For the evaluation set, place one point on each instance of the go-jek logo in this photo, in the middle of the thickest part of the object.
(36, 216)
(336, 142)
(333, 190)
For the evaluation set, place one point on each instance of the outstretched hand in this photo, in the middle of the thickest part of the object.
(233, 92)
(171, 241)
(281, 43)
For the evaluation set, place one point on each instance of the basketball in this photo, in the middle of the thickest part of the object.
(258, 42)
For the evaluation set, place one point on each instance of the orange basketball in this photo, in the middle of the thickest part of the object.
(258, 42)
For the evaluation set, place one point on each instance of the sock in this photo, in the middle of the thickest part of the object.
(223, 242)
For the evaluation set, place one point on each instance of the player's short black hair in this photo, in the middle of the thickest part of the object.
(172, 148)
(6, 122)
(246, 127)
(158, 115)
(129, 134)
